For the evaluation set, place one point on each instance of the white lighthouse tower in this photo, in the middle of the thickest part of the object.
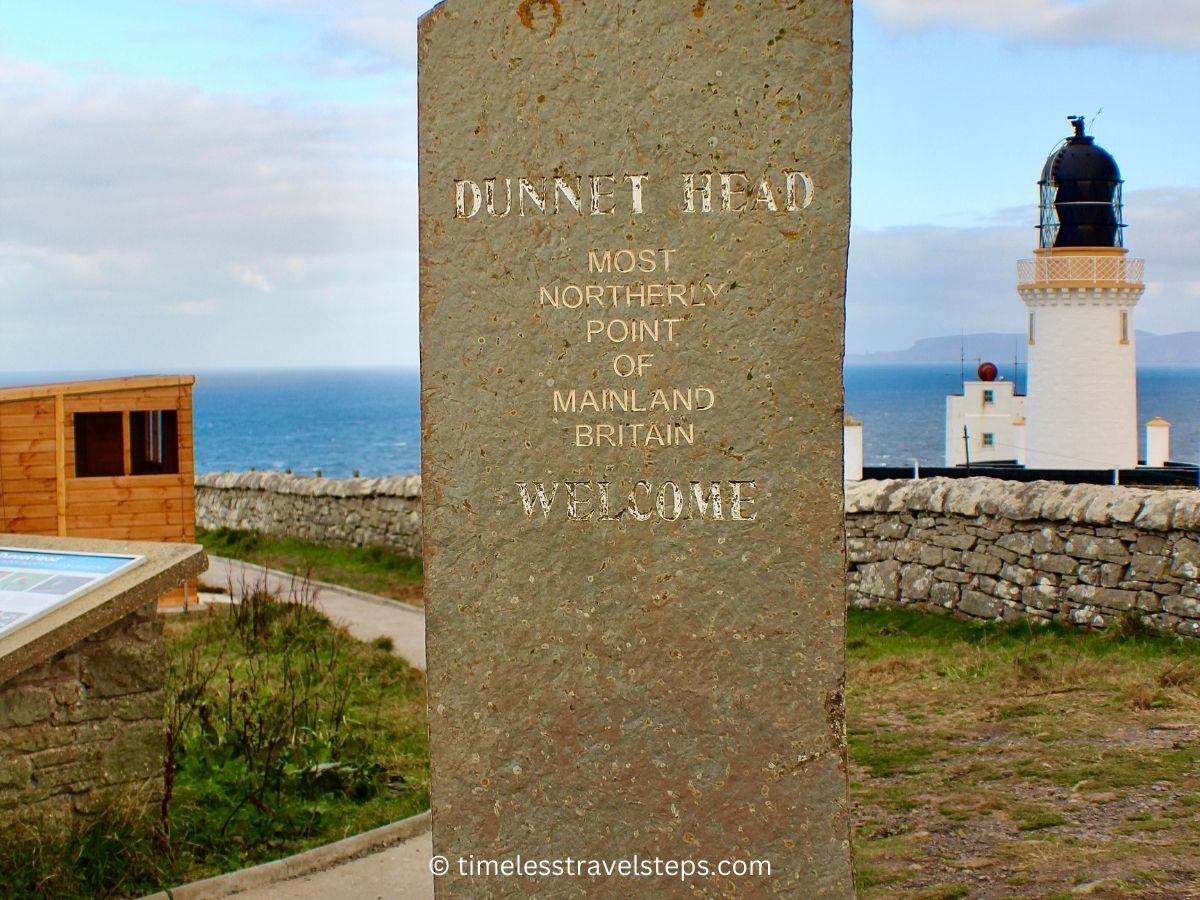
(1080, 289)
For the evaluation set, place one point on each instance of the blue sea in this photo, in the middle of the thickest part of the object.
(342, 421)
(333, 421)
(337, 421)
(903, 409)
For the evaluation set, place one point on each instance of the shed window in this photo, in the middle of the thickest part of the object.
(989, 439)
(153, 442)
(99, 444)
(989, 396)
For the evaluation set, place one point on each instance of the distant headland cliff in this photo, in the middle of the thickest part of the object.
(1181, 349)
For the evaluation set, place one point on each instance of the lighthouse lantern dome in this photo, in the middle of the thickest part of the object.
(1080, 194)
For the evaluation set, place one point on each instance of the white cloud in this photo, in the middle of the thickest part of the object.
(252, 278)
(912, 282)
(1161, 24)
(908, 283)
(359, 37)
(124, 201)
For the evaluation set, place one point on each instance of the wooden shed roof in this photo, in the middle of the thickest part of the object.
(95, 386)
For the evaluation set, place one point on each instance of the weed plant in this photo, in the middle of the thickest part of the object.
(283, 729)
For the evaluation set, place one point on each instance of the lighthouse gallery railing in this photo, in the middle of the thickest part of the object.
(1082, 268)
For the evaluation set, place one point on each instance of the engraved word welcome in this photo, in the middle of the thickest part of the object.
(669, 501)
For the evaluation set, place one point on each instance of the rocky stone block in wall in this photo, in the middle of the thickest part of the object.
(880, 579)
(25, 705)
(1151, 544)
(980, 605)
(1113, 505)
(954, 540)
(1165, 588)
(1056, 563)
(891, 529)
(1111, 574)
(1018, 575)
(1107, 598)
(945, 595)
(983, 583)
(1185, 559)
(15, 772)
(1041, 596)
(1089, 573)
(915, 582)
(981, 563)
(1006, 590)
(1106, 549)
(953, 576)
(1005, 556)
(1157, 512)
(1019, 542)
(863, 550)
(1149, 601)
(1188, 607)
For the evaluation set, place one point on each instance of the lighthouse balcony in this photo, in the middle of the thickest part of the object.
(1080, 270)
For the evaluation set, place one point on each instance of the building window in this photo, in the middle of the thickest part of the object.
(100, 443)
(1031, 329)
(989, 396)
(1124, 326)
(989, 439)
(154, 442)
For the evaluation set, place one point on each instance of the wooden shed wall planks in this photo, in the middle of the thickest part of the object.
(28, 471)
(40, 492)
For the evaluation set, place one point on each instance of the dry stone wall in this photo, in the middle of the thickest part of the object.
(84, 729)
(989, 549)
(356, 511)
(980, 547)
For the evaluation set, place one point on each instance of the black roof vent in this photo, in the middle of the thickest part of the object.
(1080, 194)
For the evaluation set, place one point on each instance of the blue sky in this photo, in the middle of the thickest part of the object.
(199, 184)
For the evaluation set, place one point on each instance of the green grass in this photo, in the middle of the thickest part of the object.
(116, 855)
(376, 570)
(887, 753)
(983, 759)
(888, 633)
(1034, 821)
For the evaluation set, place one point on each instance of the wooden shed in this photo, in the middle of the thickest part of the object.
(109, 458)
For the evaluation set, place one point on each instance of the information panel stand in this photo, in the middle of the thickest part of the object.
(54, 592)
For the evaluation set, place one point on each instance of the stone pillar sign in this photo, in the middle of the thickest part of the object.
(633, 246)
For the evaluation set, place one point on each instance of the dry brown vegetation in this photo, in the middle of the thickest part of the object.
(1022, 761)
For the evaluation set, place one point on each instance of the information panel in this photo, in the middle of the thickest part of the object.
(34, 582)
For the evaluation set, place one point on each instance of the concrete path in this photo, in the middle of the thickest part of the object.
(397, 873)
(400, 871)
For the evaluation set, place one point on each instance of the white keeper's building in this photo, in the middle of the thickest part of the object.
(985, 424)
